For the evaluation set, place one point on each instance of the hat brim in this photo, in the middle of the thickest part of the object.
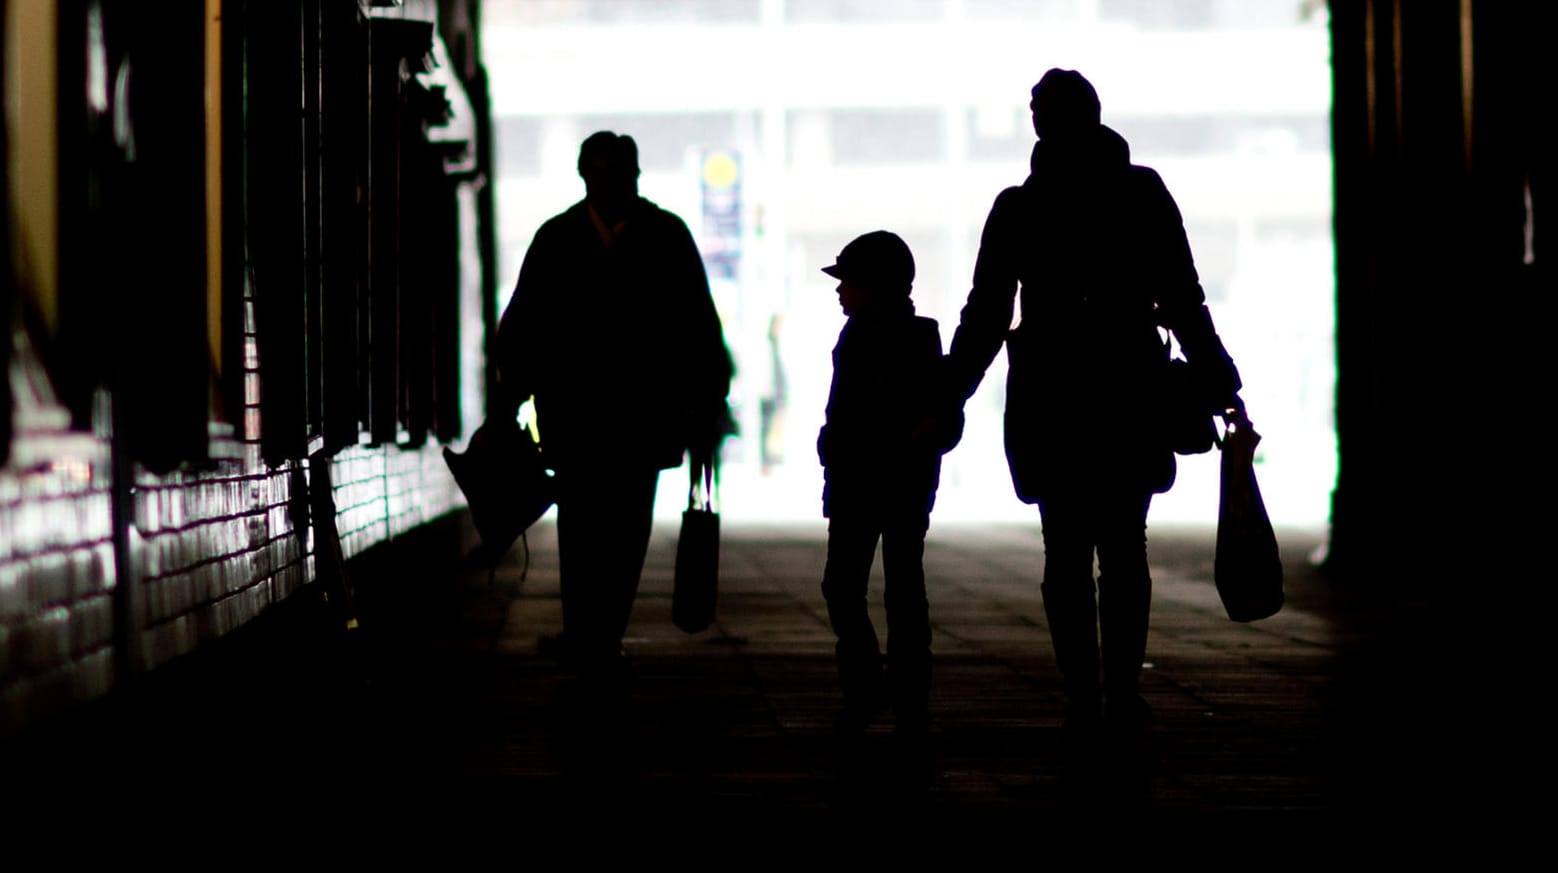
(835, 271)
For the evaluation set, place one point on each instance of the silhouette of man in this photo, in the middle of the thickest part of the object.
(612, 330)
(1098, 249)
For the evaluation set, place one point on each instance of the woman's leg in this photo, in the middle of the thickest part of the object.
(1069, 602)
(1124, 602)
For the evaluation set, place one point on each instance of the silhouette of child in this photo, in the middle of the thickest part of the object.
(881, 455)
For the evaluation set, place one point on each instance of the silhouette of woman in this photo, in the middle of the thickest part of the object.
(1098, 248)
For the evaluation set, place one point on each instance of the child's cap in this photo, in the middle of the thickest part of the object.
(879, 260)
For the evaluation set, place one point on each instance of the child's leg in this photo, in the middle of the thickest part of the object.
(908, 618)
(851, 549)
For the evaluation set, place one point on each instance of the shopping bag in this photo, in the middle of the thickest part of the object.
(1247, 568)
(697, 555)
(504, 481)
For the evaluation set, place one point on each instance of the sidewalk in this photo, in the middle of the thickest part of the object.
(440, 701)
(740, 717)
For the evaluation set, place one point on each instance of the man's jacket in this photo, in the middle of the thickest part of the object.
(621, 348)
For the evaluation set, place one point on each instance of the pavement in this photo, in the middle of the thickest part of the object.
(439, 700)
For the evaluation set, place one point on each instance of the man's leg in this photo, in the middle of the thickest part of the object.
(574, 559)
(604, 519)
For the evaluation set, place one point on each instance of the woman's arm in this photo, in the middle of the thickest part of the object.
(987, 316)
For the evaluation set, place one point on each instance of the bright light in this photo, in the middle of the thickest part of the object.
(912, 117)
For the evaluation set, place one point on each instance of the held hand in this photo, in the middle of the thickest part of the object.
(938, 431)
(941, 427)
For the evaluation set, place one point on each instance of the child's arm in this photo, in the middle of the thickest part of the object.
(939, 426)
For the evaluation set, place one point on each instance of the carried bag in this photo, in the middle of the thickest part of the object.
(1188, 417)
(697, 554)
(1247, 569)
(504, 481)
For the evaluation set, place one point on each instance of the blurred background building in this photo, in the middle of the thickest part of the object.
(780, 129)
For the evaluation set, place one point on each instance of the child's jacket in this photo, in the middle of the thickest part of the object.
(885, 370)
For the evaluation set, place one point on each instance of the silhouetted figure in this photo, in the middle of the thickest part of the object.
(882, 466)
(775, 403)
(612, 330)
(1098, 248)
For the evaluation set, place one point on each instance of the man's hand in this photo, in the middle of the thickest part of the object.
(707, 431)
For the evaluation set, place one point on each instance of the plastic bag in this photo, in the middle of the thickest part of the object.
(1248, 568)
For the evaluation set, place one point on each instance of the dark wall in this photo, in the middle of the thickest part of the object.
(1436, 302)
(1441, 302)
